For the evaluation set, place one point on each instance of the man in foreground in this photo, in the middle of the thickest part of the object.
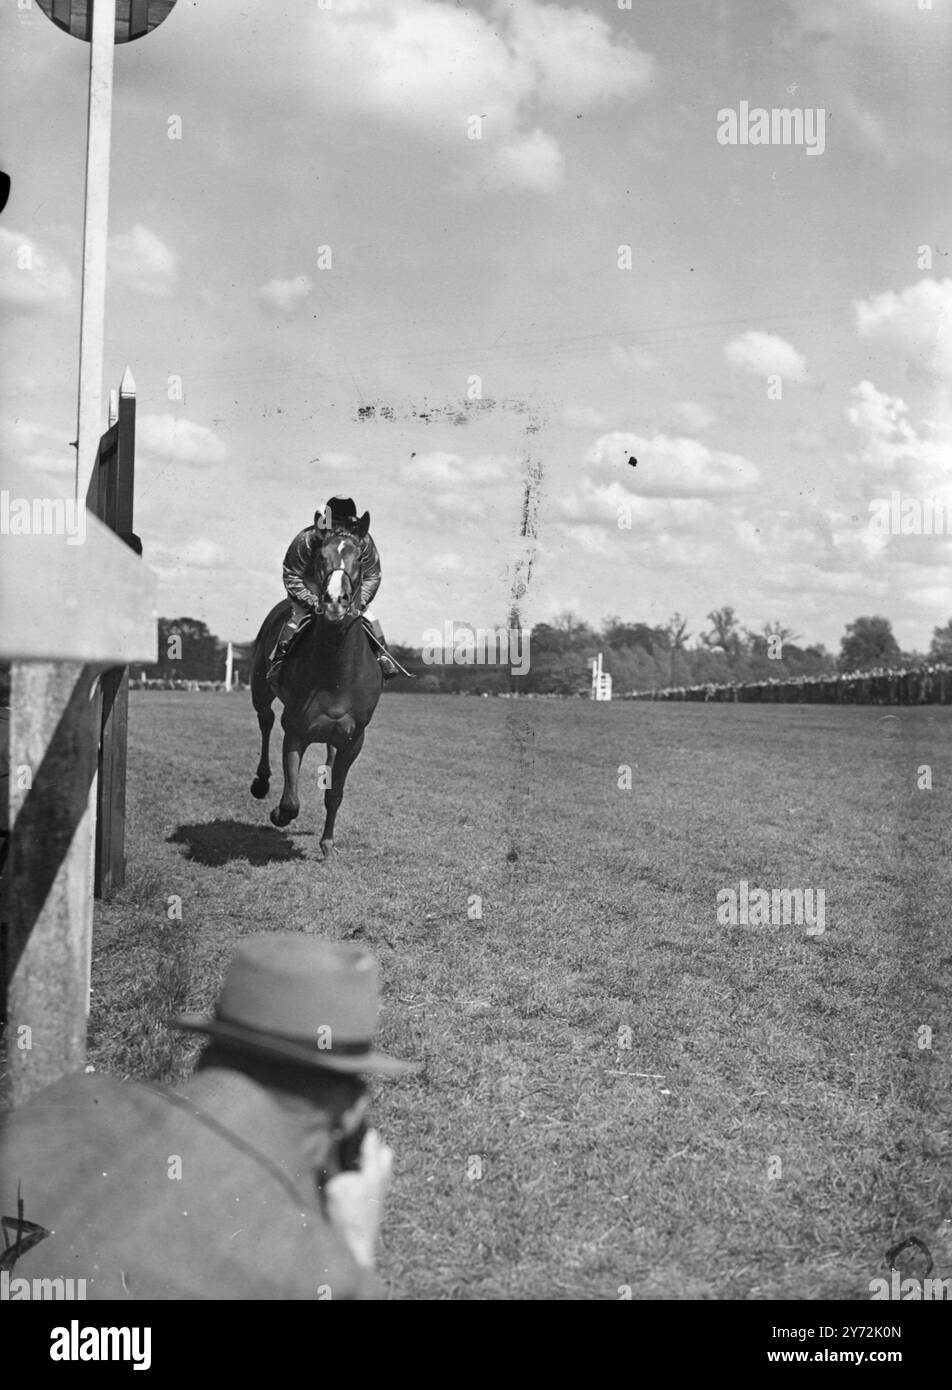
(256, 1179)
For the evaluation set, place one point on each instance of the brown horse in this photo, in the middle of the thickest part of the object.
(330, 684)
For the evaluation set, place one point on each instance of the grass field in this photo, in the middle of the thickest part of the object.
(646, 1158)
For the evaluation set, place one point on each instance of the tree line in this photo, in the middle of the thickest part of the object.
(638, 656)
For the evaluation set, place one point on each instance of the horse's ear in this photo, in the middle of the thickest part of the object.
(363, 525)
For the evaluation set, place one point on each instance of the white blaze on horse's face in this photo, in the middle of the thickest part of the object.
(339, 557)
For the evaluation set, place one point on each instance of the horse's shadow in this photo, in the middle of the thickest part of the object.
(217, 842)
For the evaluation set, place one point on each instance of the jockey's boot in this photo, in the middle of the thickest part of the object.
(276, 665)
(386, 666)
(379, 644)
(280, 653)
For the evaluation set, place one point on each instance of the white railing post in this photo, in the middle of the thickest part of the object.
(95, 233)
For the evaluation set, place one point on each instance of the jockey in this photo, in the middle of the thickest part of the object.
(341, 513)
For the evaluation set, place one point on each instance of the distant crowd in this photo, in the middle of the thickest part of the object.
(928, 684)
(882, 685)
(214, 687)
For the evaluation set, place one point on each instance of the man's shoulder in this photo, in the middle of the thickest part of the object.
(149, 1192)
(307, 536)
(84, 1102)
(303, 545)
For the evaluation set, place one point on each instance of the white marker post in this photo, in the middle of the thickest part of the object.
(601, 680)
(95, 233)
(229, 668)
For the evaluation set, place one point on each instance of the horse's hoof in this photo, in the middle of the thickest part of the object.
(280, 817)
(259, 788)
(327, 849)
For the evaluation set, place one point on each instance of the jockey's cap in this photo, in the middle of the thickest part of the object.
(340, 511)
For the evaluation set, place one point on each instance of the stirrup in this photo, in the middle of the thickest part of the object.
(381, 651)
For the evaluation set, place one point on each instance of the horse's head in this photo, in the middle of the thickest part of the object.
(338, 569)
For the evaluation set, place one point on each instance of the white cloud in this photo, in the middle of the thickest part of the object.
(429, 67)
(882, 418)
(285, 295)
(532, 161)
(896, 456)
(596, 503)
(894, 450)
(171, 562)
(452, 491)
(32, 279)
(450, 506)
(916, 322)
(41, 450)
(590, 538)
(169, 437)
(142, 261)
(573, 56)
(202, 553)
(437, 469)
(905, 13)
(671, 466)
(492, 468)
(444, 470)
(417, 63)
(764, 354)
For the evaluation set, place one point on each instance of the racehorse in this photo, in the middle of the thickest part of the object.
(329, 687)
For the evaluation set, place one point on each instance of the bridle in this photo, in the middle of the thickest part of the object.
(356, 586)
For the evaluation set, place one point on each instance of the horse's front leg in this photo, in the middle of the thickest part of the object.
(259, 787)
(289, 806)
(343, 758)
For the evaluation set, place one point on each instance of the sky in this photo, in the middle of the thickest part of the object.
(419, 251)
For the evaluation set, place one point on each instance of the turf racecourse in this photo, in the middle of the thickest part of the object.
(546, 1152)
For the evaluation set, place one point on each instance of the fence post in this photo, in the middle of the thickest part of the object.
(104, 617)
(114, 505)
(48, 909)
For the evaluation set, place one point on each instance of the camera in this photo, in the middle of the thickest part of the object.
(348, 1149)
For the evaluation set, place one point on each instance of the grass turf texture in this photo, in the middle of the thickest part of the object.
(602, 1165)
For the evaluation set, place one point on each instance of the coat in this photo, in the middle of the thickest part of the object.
(150, 1194)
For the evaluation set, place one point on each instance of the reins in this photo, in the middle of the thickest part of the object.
(355, 587)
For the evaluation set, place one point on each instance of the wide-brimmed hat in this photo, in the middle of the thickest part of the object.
(302, 999)
(341, 512)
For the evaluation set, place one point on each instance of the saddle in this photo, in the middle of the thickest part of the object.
(373, 630)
